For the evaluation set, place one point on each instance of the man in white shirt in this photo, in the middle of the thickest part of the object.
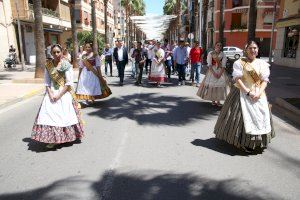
(132, 59)
(121, 58)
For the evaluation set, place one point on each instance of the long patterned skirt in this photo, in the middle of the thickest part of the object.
(230, 125)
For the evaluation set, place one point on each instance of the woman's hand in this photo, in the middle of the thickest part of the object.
(51, 96)
(57, 97)
(254, 95)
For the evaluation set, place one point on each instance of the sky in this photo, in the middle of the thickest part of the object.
(154, 7)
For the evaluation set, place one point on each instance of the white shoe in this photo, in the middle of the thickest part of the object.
(179, 83)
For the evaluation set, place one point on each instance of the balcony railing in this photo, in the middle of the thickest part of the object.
(238, 26)
(46, 11)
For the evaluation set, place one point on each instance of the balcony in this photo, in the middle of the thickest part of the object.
(238, 26)
(45, 11)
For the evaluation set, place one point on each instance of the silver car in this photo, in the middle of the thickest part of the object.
(233, 52)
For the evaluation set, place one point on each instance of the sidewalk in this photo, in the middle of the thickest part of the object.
(17, 85)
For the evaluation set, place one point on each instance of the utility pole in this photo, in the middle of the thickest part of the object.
(20, 37)
(272, 33)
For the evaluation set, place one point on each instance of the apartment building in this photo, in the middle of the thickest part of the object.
(236, 14)
(56, 22)
(119, 19)
(287, 51)
(84, 16)
(7, 30)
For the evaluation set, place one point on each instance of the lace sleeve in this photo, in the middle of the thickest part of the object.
(237, 70)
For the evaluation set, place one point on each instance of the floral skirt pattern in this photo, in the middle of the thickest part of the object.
(58, 135)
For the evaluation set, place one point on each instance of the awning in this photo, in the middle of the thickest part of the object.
(288, 22)
(53, 30)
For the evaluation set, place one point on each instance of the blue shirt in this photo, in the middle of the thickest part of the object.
(180, 55)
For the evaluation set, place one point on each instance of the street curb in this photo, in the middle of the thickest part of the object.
(19, 99)
(287, 110)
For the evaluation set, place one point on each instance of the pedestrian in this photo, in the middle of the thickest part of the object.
(107, 53)
(67, 55)
(173, 47)
(158, 71)
(245, 119)
(133, 68)
(121, 58)
(215, 85)
(188, 66)
(58, 120)
(91, 84)
(180, 57)
(140, 56)
(168, 58)
(196, 63)
(148, 64)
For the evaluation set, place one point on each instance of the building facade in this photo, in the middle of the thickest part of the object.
(236, 14)
(7, 30)
(119, 19)
(287, 51)
(56, 22)
(84, 16)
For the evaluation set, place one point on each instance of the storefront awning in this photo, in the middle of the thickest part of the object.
(288, 22)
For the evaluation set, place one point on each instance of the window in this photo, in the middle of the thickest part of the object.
(291, 41)
(268, 19)
(231, 49)
(77, 16)
(237, 3)
(225, 49)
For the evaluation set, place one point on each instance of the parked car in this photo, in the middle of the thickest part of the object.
(233, 52)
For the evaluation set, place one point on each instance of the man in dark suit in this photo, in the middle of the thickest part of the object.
(121, 59)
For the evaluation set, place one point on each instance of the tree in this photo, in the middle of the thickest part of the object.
(221, 22)
(74, 32)
(94, 27)
(252, 20)
(196, 17)
(39, 39)
(105, 21)
(178, 6)
(204, 22)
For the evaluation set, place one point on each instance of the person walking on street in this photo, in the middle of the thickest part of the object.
(180, 57)
(140, 56)
(158, 72)
(245, 120)
(121, 58)
(168, 58)
(58, 120)
(196, 63)
(91, 84)
(133, 68)
(188, 65)
(215, 85)
(107, 53)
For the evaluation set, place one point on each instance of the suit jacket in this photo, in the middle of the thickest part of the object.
(125, 54)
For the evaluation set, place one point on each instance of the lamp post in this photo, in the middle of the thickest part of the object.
(272, 33)
(20, 37)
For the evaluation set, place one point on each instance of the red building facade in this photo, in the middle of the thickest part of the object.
(236, 23)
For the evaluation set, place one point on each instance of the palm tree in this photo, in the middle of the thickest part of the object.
(221, 23)
(179, 11)
(39, 39)
(252, 20)
(74, 32)
(94, 27)
(105, 21)
(204, 22)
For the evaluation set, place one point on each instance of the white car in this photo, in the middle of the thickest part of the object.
(233, 52)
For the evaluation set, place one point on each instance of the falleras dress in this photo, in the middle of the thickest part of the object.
(243, 122)
(157, 72)
(58, 122)
(212, 88)
(90, 86)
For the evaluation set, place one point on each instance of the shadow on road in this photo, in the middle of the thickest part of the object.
(155, 109)
(40, 147)
(145, 185)
(221, 147)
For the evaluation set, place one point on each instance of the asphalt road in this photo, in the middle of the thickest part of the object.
(144, 143)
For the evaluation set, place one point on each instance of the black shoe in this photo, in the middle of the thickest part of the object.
(120, 84)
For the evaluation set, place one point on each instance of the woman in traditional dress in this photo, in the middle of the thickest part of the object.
(58, 120)
(158, 72)
(245, 119)
(91, 84)
(215, 87)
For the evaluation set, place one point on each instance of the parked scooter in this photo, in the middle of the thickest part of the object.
(11, 60)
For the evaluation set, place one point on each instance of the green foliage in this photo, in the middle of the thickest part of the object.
(87, 37)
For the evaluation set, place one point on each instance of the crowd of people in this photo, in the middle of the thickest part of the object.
(244, 121)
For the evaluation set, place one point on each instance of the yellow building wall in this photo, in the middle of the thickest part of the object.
(291, 8)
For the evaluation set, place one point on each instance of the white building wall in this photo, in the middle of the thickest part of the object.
(7, 31)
